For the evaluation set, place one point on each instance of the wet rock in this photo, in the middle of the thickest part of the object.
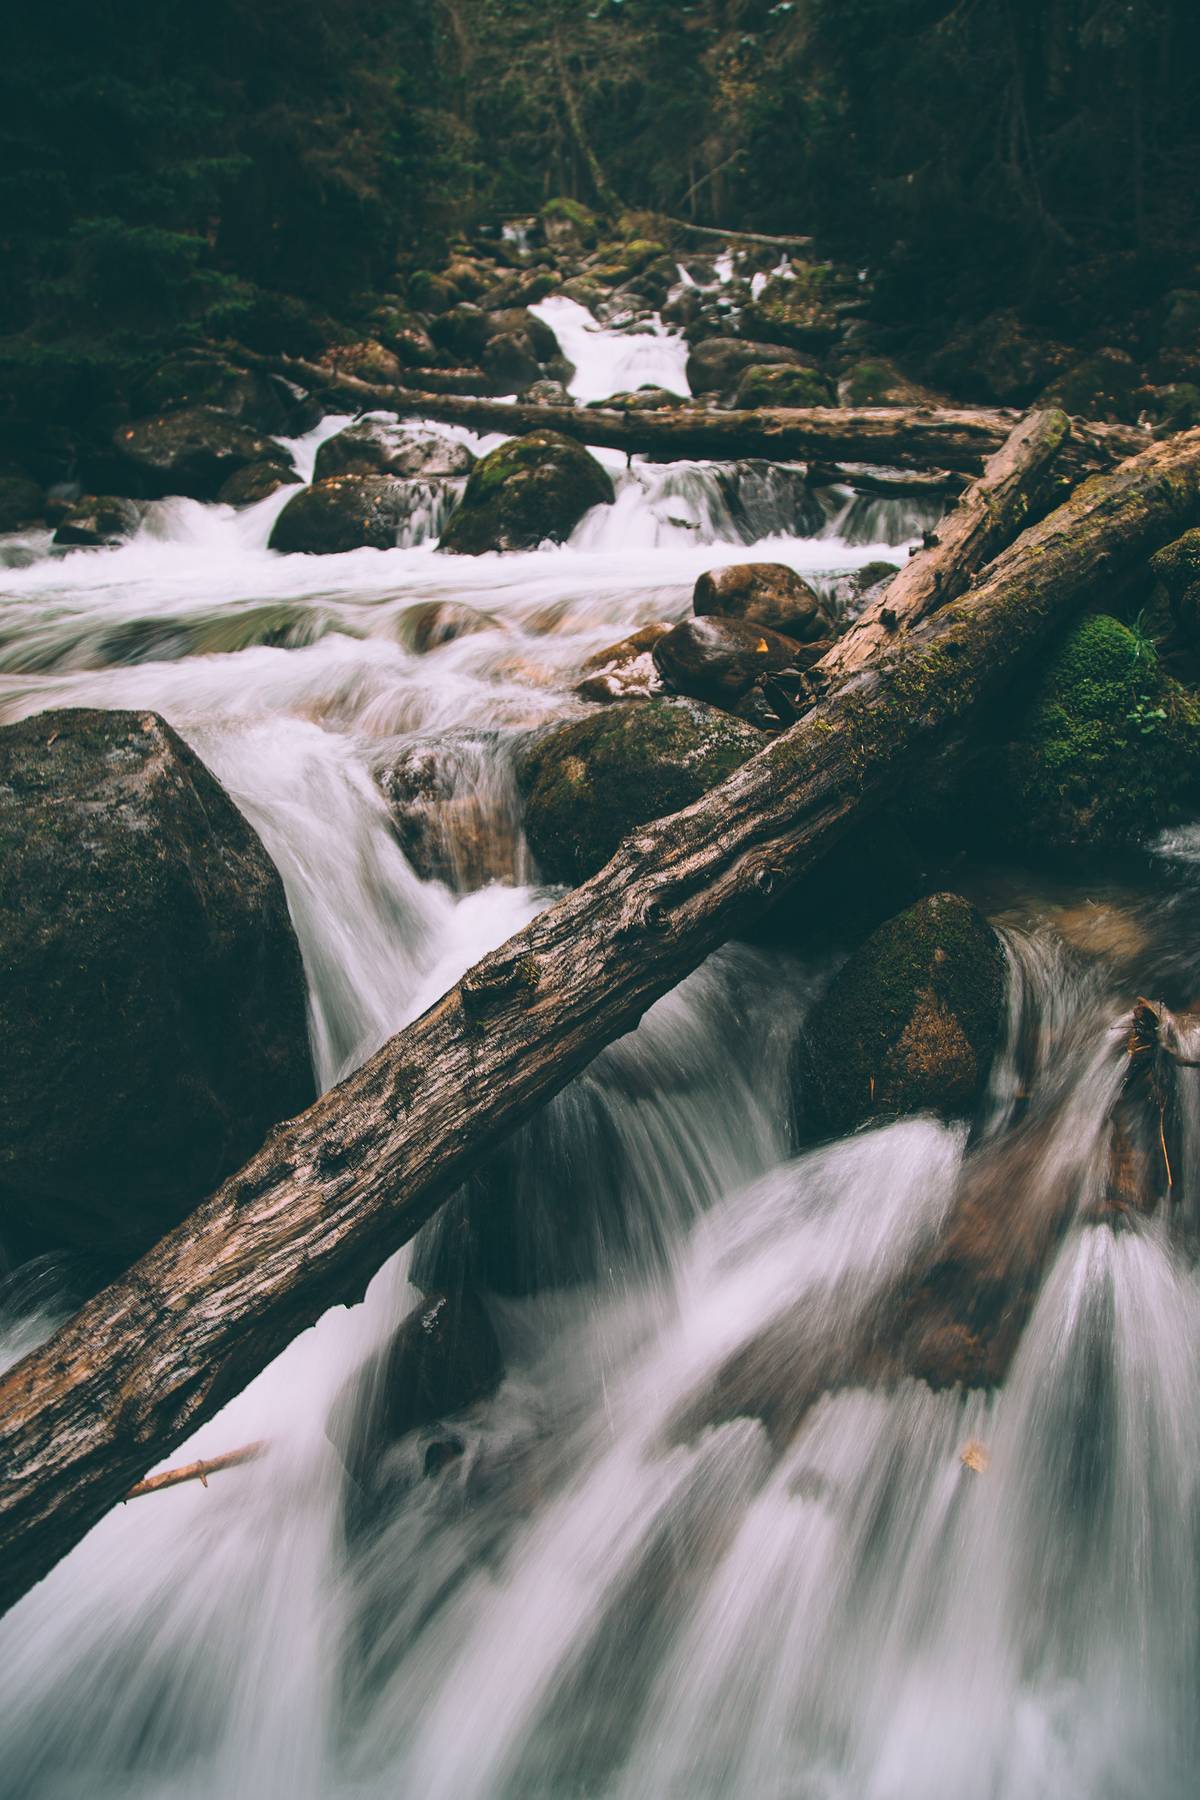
(444, 1357)
(910, 1024)
(21, 502)
(766, 499)
(509, 362)
(263, 402)
(546, 392)
(623, 671)
(378, 447)
(153, 1006)
(257, 481)
(519, 320)
(347, 512)
(98, 521)
(589, 784)
(715, 366)
(436, 622)
(720, 659)
(1107, 751)
(367, 361)
(454, 810)
(767, 594)
(463, 331)
(848, 595)
(783, 384)
(569, 226)
(528, 490)
(192, 451)
(643, 399)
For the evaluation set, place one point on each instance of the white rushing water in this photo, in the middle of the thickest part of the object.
(613, 1590)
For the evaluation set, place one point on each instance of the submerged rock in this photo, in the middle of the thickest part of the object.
(767, 594)
(1108, 750)
(153, 1006)
(98, 520)
(529, 490)
(444, 1357)
(454, 810)
(432, 623)
(588, 785)
(347, 512)
(192, 451)
(721, 659)
(377, 447)
(910, 1024)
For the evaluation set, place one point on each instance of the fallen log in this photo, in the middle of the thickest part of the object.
(306, 1223)
(738, 237)
(953, 438)
(987, 517)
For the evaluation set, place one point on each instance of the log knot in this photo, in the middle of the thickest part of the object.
(497, 979)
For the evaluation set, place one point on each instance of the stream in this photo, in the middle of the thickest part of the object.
(583, 1603)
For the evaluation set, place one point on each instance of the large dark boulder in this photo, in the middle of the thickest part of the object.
(443, 1358)
(191, 451)
(783, 384)
(151, 994)
(910, 1024)
(716, 365)
(528, 490)
(767, 594)
(721, 659)
(589, 784)
(347, 512)
(261, 401)
(509, 362)
(376, 447)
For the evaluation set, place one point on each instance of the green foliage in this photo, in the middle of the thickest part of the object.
(1109, 749)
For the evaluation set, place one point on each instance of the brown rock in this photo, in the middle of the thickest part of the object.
(767, 594)
(720, 659)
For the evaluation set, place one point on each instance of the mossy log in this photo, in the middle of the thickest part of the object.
(306, 1223)
(987, 517)
(954, 438)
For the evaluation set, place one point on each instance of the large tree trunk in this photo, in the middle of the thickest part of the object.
(988, 516)
(333, 1193)
(905, 436)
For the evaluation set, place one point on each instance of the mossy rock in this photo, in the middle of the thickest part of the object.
(1177, 565)
(779, 384)
(910, 1024)
(1103, 386)
(569, 224)
(876, 382)
(193, 450)
(525, 492)
(588, 785)
(430, 293)
(345, 512)
(1108, 751)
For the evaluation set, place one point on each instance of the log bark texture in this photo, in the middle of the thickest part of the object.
(957, 438)
(334, 1192)
(987, 517)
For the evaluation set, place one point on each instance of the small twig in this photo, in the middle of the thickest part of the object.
(198, 1471)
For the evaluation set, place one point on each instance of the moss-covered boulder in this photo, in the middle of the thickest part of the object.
(191, 378)
(1177, 566)
(910, 1024)
(589, 784)
(98, 520)
(783, 384)
(379, 447)
(528, 490)
(798, 313)
(764, 593)
(431, 293)
(509, 362)
(1103, 386)
(347, 512)
(1107, 752)
(193, 451)
(715, 366)
(569, 225)
(876, 382)
(152, 1003)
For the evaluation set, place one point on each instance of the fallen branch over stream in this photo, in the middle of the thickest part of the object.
(307, 1222)
(956, 438)
(198, 1471)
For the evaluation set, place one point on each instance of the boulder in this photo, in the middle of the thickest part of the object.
(509, 361)
(98, 521)
(1106, 753)
(721, 659)
(191, 451)
(715, 366)
(519, 319)
(783, 384)
(347, 512)
(1177, 567)
(454, 810)
(795, 313)
(588, 784)
(263, 402)
(153, 1006)
(463, 331)
(257, 481)
(524, 492)
(768, 500)
(379, 447)
(21, 502)
(767, 594)
(444, 1357)
(643, 399)
(546, 392)
(569, 226)
(434, 622)
(910, 1024)
(1104, 386)
(623, 671)
(431, 293)
(367, 360)
(876, 382)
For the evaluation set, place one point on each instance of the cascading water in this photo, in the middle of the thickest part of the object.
(611, 1589)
